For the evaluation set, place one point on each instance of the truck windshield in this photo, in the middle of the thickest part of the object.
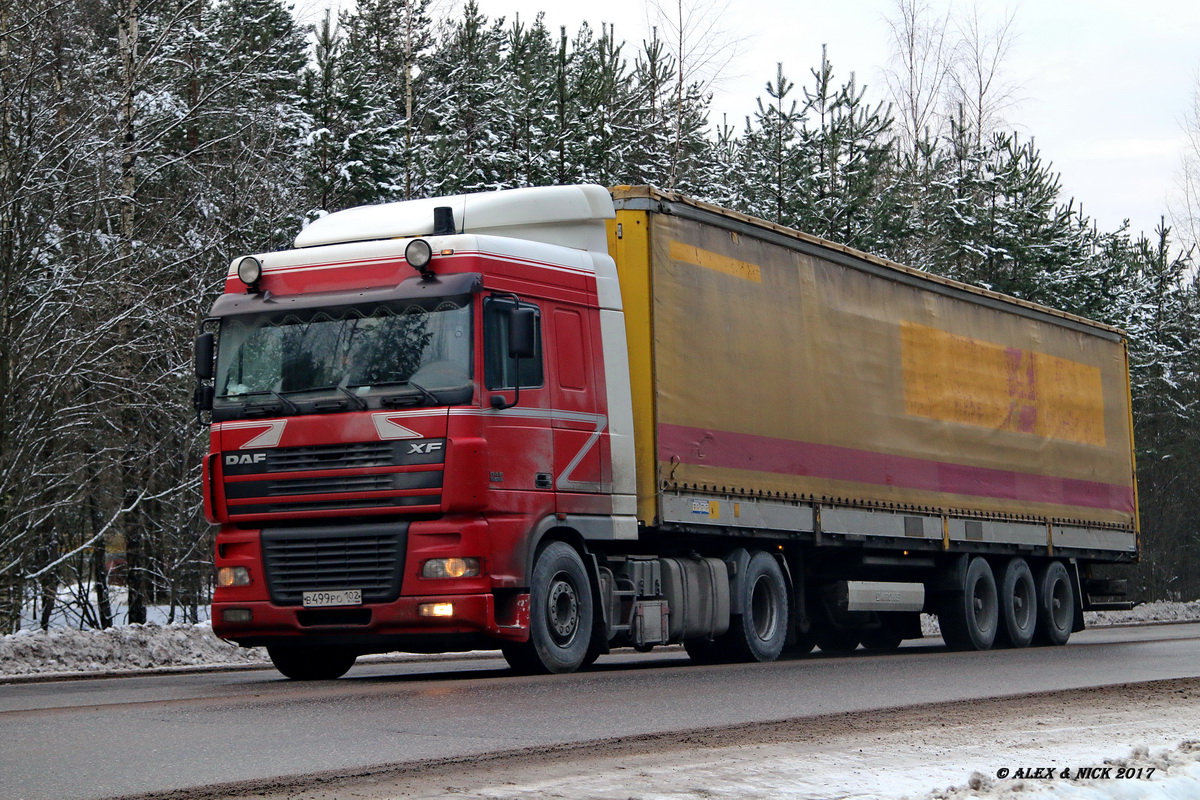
(367, 351)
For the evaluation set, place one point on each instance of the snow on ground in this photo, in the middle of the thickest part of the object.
(152, 646)
(954, 751)
(1172, 774)
(870, 773)
(124, 648)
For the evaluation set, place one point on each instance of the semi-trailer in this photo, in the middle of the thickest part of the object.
(560, 420)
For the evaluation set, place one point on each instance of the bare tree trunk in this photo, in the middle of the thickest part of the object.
(921, 59)
(127, 43)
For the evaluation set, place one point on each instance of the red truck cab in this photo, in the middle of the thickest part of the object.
(400, 410)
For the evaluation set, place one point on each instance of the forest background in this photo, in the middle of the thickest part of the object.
(145, 143)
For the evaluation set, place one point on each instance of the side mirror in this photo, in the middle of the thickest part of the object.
(205, 349)
(522, 333)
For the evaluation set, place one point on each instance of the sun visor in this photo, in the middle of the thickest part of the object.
(457, 284)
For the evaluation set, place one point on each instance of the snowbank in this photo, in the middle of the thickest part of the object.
(1166, 775)
(1162, 611)
(129, 647)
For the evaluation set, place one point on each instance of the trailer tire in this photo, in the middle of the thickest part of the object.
(561, 615)
(760, 631)
(1055, 605)
(970, 617)
(1018, 604)
(311, 663)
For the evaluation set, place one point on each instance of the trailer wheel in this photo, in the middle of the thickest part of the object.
(1055, 605)
(311, 663)
(1018, 604)
(969, 618)
(760, 631)
(561, 614)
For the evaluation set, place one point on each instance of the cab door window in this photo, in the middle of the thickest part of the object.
(500, 369)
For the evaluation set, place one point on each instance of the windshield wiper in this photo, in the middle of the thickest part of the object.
(247, 407)
(358, 401)
(401, 400)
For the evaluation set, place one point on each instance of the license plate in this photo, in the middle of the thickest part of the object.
(340, 597)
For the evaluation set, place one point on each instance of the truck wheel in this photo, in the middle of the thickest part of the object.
(969, 618)
(311, 663)
(560, 618)
(1055, 605)
(760, 631)
(1018, 604)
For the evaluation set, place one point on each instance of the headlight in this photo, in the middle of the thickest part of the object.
(233, 576)
(450, 568)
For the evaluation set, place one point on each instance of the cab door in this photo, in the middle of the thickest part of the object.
(517, 413)
(579, 424)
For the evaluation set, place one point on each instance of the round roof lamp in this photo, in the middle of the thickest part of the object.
(418, 254)
(249, 272)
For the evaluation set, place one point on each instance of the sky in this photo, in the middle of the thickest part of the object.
(1103, 86)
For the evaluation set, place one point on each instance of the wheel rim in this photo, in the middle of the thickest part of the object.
(562, 609)
(983, 605)
(762, 608)
(1060, 604)
(1024, 603)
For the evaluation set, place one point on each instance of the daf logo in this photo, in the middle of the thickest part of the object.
(234, 460)
(424, 447)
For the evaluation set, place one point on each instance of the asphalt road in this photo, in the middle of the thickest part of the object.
(105, 738)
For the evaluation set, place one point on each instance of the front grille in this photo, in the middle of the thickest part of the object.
(369, 558)
(420, 502)
(403, 475)
(335, 456)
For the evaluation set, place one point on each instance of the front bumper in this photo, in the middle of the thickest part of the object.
(381, 627)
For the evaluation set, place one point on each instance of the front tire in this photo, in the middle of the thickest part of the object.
(311, 663)
(561, 615)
